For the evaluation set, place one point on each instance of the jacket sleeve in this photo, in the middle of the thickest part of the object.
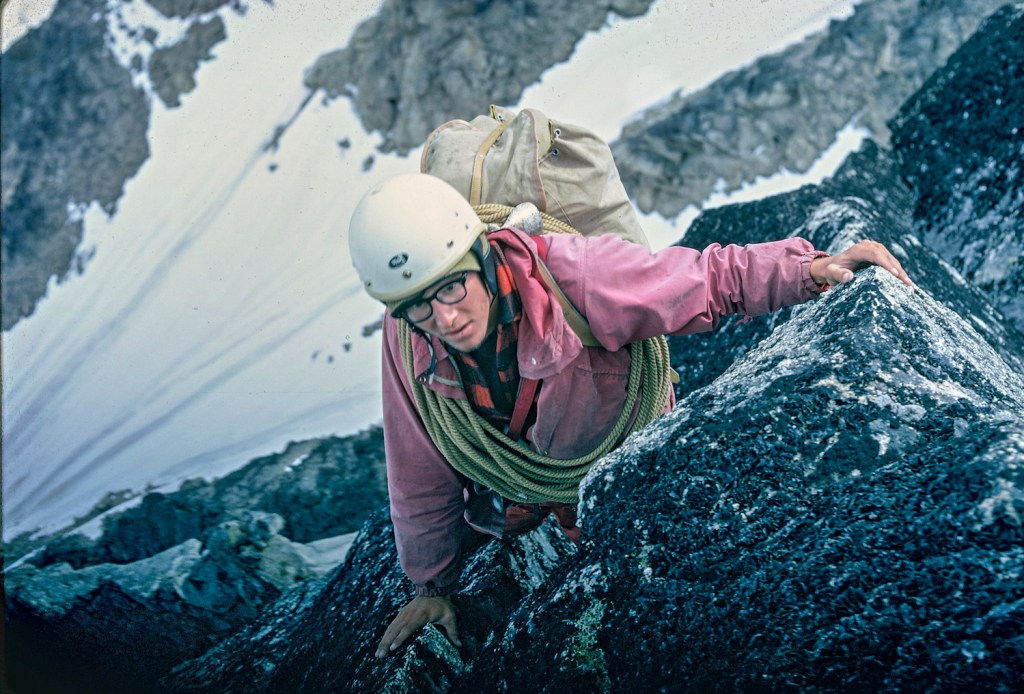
(628, 293)
(425, 492)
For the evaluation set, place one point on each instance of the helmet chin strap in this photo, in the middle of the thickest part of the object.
(430, 346)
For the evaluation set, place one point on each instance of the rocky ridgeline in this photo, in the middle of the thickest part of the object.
(840, 508)
(866, 198)
(785, 109)
(175, 574)
(966, 160)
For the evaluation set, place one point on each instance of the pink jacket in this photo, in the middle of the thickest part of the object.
(627, 294)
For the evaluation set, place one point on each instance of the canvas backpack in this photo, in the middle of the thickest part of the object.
(508, 158)
(531, 163)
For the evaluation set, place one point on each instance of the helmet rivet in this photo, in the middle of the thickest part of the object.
(450, 244)
(406, 274)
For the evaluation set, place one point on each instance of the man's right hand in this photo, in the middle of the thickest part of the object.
(417, 614)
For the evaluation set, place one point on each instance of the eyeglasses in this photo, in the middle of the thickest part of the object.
(451, 293)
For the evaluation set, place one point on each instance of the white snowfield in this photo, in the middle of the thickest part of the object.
(217, 317)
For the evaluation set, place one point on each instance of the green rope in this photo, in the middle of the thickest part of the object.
(486, 455)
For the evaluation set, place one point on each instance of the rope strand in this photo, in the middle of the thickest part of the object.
(486, 455)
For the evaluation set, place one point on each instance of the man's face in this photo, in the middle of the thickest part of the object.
(465, 324)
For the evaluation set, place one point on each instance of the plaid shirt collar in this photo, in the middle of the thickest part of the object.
(490, 374)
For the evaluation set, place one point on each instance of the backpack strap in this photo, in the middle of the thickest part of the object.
(528, 388)
(476, 185)
(576, 320)
(573, 317)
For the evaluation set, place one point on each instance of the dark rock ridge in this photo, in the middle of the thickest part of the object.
(73, 131)
(866, 197)
(419, 63)
(840, 509)
(785, 109)
(958, 143)
(322, 636)
(169, 578)
(116, 625)
(309, 485)
(971, 208)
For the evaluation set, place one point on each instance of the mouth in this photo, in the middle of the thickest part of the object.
(457, 334)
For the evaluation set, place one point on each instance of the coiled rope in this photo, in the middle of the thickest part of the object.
(486, 455)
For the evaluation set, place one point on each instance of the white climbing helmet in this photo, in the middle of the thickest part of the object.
(408, 232)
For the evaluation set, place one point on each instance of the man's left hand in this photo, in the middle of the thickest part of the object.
(839, 268)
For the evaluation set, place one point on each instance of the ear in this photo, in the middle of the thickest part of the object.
(482, 249)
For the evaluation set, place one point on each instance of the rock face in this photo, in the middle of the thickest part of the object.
(74, 128)
(867, 198)
(174, 575)
(417, 63)
(840, 508)
(971, 204)
(322, 637)
(173, 69)
(785, 109)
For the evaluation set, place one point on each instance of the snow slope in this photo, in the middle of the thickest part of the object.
(218, 318)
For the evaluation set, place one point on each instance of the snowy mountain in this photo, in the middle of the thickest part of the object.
(199, 309)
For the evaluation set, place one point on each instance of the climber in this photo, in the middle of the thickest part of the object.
(471, 321)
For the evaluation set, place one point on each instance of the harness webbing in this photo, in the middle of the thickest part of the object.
(486, 455)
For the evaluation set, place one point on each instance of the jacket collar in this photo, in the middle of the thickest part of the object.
(546, 342)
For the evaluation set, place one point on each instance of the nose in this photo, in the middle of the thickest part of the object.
(444, 313)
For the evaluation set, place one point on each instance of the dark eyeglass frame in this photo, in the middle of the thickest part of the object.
(457, 286)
